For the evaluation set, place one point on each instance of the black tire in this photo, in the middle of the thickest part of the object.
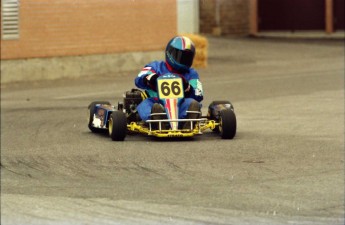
(214, 103)
(211, 114)
(228, 124)
(92, 112)
(117, 126)
(220, 102)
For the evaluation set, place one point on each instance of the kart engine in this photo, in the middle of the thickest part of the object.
(132, 99)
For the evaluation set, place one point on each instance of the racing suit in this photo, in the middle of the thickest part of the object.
(160, 68)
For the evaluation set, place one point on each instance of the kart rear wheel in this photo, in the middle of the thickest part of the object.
(228, 124)
(118, 126)
(92, 112)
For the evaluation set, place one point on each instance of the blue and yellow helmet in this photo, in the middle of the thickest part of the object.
(179, 53)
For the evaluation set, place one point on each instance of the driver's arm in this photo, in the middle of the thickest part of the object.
(141, 79)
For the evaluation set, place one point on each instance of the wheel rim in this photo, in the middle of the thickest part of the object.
(220, 125)
(110, 126)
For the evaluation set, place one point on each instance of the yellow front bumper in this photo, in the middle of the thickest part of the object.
(197, 130)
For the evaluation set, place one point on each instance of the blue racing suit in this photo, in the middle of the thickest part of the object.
(160, 68)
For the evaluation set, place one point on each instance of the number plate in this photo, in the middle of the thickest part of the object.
(170, 88)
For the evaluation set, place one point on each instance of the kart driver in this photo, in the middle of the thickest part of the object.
(179, 55)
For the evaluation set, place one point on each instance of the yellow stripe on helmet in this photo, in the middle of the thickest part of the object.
(188, 43)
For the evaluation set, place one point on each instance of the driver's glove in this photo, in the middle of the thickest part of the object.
(186, 86)
(151, 81)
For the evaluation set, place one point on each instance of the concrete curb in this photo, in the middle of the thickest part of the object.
(74, 66)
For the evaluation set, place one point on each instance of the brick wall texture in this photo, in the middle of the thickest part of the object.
(85, 27)
(233, 16)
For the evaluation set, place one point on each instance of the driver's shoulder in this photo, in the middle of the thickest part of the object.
(192, 74)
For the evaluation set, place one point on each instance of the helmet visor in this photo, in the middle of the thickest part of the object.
(184, 57)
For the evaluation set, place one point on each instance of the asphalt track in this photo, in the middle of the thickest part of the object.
(285, 165)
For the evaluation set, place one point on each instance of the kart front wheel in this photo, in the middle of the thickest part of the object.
(118, 126)
(228, 124)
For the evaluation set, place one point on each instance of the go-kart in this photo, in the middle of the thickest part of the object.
(124, 118)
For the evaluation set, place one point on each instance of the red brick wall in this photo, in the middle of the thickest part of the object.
(81, 27)
(234, 16)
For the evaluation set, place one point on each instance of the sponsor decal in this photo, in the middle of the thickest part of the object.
(197, 85)
(98, 118)
(96, 122)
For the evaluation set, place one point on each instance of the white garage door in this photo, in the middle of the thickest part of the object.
(188, 16)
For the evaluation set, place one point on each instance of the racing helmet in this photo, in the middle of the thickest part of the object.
(179, 53)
